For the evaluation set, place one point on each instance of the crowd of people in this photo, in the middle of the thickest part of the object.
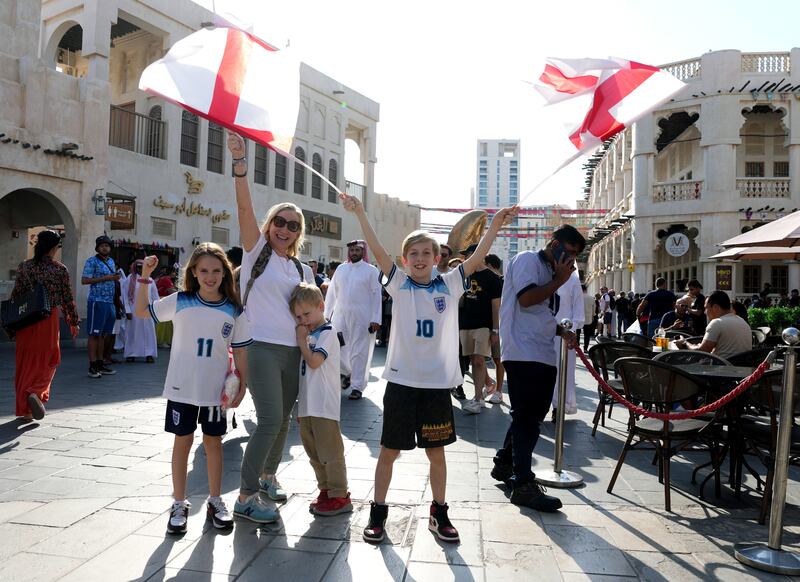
(257, 319)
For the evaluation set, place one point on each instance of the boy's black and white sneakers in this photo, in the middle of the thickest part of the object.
(375, 531)
(440, 524)
(219, 514)
(178, 516)
(105, 370)
(93, 373)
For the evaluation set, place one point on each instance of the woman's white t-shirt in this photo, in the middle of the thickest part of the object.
(267, 308)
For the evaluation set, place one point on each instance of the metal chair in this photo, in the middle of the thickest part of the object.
(750, 358)
(758, 337)
(603, 356)
(638, 339)
(760, 434)
(684, 357)
(661, 385)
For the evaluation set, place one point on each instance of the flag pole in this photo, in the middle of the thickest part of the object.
(550, 175)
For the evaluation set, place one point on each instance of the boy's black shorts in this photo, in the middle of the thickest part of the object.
(182, 419)
(417, 417)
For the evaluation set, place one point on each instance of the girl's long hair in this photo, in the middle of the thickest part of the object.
(297, 245)
(190, 283)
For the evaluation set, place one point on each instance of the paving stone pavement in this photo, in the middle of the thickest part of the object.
(84, 496)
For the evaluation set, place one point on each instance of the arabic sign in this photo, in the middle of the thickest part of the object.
(324, 225)
(191, 209)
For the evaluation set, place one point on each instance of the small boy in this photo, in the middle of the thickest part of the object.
(422, 361)
(319, 400)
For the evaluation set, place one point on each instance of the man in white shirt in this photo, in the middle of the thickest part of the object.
(353, 304)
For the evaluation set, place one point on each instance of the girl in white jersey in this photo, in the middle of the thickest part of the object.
(207, 321)
(422, 362)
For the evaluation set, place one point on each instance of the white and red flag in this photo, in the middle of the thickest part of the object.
(233, 79)
(598, 98)
(616, 92)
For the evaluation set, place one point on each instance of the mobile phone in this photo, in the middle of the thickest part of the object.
(558, 252)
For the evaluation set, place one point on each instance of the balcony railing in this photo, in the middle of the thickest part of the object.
(766, 63)
(355, 189)
(137, 133)
(764, 187)
(683, 70)
(674, 191)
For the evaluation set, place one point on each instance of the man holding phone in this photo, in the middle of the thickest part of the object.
(527, 327)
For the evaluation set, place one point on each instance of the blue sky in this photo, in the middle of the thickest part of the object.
(448, 73)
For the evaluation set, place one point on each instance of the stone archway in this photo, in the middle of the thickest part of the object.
(27, 208)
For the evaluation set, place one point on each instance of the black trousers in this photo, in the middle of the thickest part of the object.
(530, 390)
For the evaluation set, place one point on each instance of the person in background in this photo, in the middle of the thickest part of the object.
(454, 263)
(698, 307)
(140, 333)
(494, 388)
(679, 319)
(570, 306)
(740, 310)
(442, 266)
(794, 298)
(121, 322)
(234, 255)
(784, 300)
(655, 304)
(589, 318)
(624, 316)
(727, 333)
(100, 273)
(37, 346)
(606, 313)
(165, 285)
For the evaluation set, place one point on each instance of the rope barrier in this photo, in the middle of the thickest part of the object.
(714, 406)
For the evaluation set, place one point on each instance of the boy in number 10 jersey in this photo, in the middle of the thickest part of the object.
(422, 361)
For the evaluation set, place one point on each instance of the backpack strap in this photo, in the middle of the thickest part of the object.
(260, 266)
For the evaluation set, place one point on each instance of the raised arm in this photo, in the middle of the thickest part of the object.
(382, 258)
(143, 291)
(503, 217)
(248, 225)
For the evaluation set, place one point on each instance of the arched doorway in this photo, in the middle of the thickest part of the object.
(23, 213)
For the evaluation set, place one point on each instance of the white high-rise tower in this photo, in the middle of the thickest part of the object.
(497, 184)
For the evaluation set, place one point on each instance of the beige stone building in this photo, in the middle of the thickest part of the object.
(85, 151)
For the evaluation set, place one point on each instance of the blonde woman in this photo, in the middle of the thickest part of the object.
(271, 251)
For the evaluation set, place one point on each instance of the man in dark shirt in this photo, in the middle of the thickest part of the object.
(655, 304)
(679, 319)
(623, 313)
(698, 307)
(478, 324)
(794, 299)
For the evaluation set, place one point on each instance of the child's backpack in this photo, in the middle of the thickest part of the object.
(261, 264)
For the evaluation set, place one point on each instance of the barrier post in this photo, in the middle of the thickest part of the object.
(558, 477)
(770, 556)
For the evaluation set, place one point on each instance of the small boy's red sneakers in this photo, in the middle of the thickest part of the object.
(323, 496)
(333, 506)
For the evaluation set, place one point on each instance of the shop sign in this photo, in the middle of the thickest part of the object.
(191, 209)
(324, 225)
(724, 278)
(122, 215)
(677, 244)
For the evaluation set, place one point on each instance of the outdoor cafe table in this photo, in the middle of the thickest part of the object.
(721, 380)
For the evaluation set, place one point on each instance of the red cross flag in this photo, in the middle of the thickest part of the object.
(233, 79)
(616, 92)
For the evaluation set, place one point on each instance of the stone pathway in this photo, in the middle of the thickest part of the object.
(84, 496)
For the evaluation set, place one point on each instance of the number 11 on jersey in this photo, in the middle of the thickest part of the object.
(208, 343)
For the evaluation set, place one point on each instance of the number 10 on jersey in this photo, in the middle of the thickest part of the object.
(425, 328)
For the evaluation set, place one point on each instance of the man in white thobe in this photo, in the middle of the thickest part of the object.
(353, 304)
(570, 306)
(140, 334)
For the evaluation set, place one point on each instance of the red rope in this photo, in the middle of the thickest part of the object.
(740, 388)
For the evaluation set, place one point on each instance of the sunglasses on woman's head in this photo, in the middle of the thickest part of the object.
(291, 225)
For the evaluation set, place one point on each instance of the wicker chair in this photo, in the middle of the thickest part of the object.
(684, 357)
(603, 357)
(638, 339)
(661, 385)
(760, 434)
(750, 358)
